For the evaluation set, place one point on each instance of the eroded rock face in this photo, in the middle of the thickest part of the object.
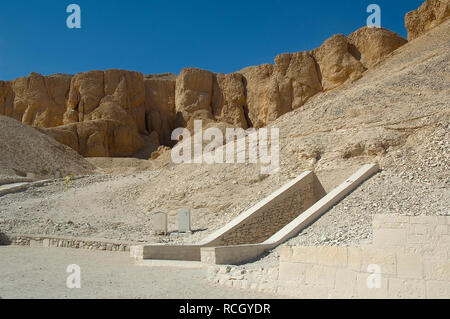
(38, 100)
(229, 99)
(258, 82)
(118, 113)
(273, 90)
(108, 108)
(338, 62)
(160, 105)
(123, 88)
(98, 138)
(193, 94)
(6, 98)
(374, 44)
(203, 95)
(429, 15)
(97, 113)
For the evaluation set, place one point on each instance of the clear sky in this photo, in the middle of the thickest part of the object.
(158, 36)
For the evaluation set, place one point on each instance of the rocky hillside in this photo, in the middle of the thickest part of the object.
(118, 113)
(431, 14)
(397, 115)
(27, 154)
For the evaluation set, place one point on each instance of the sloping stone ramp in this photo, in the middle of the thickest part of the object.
(264, 226)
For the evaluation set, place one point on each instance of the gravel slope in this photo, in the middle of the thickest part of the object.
(41, 273)
(29, 154)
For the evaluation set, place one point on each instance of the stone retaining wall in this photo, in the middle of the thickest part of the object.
(252, 226)
(54, 241)
(295, 205)
(273, 213)
(262, 279)
(409, 258)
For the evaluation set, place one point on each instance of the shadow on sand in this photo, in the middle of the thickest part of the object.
(4, 240)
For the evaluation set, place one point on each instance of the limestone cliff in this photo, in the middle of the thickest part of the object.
(117, 112)
(430, 14)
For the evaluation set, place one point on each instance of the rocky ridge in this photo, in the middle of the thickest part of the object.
(396, 115)
(117, 113)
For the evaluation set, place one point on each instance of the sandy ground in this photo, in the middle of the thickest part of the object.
(41, 273)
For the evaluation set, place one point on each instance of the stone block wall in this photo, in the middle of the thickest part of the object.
(263, 279)
(269, 217)
(409, 258)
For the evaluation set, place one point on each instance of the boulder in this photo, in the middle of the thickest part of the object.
(160, 151)
(372, 45)
(97, 113)
(203, 95)
(338, 63)
(193, 94)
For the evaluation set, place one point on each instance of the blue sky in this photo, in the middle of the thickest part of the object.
(158, 36)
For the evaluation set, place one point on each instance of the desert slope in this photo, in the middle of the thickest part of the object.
(404, 125)
(28, 153)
